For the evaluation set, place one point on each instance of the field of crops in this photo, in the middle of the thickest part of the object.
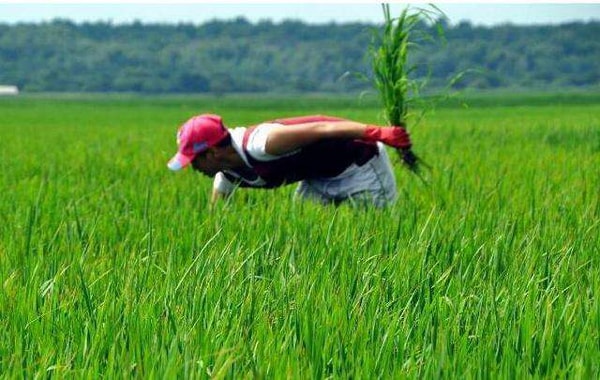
(110, 265)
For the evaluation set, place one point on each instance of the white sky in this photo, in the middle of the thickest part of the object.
(488, 13)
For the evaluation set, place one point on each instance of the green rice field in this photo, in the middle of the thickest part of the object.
(111, 266)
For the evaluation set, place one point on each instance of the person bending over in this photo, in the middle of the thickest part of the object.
(333, 159)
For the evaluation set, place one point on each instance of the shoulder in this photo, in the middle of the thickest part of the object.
(261, 130)
(256, 140)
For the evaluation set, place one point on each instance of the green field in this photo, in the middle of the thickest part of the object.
(112, 266)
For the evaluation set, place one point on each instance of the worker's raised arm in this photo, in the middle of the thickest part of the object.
(284, 139)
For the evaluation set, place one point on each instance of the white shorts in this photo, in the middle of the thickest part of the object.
(372, 183)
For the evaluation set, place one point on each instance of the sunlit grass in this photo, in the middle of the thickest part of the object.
(110, 265)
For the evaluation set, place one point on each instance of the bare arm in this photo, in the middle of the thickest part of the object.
(287, 138)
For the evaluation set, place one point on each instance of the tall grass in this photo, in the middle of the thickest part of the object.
(392, 70)
(111, 266)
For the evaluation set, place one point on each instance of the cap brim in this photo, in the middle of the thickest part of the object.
(179, 161)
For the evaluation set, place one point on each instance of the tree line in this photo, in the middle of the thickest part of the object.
(290, 56)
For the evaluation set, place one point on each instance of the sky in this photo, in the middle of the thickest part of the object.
(486, 14)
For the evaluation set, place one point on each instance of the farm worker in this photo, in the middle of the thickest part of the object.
(334, 159)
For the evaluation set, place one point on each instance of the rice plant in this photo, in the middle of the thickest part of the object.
(392, 70)
(113, 267)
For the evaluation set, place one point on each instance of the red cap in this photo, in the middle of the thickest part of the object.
(195, 136)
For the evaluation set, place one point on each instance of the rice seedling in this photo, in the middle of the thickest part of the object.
(392, 70)
(111, 266)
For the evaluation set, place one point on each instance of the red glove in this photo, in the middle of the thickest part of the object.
(393, 136)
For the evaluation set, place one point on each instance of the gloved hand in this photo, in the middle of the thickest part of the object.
(396, 137)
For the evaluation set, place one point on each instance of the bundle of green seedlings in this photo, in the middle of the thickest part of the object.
(391, 70)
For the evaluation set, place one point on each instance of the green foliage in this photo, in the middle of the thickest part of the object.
(238, 56)
(112, 266)
(391, 68)
(392, 71)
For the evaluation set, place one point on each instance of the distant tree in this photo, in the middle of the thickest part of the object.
(239, 56)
